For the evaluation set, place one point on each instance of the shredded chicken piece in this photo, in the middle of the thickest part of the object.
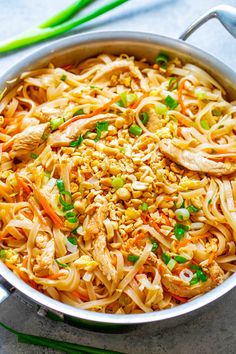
(45, 259)
(63, 138)
(194, 161)
(28, 140)
(102, 255)
(216, 273)
(153, 122)
(180, 287)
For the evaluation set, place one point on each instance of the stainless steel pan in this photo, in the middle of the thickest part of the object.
(76, 48)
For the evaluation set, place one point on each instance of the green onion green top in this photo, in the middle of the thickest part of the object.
(166, 258)
(72, 240)
(162, 60)
(180, 230)
(63, 78)
(56, 122)
(132, 258)
(101, 127)
(71, 217)
(60, 185)
(117, 182)
(171, 102)
(144, 206)
(173, 83)
(77, 142)
(144, 117)
(180, 259)
(135, 130)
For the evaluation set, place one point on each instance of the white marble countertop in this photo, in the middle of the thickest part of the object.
(214, 330)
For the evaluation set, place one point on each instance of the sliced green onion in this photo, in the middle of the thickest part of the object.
(180, 259)
(56, 122)
(201, 275)
(173, 83)
(180, 230)
(144, 117)
(171, 264)
(194, 281)
(144, 206)
(162, 60)
(34, 156)
(135, 130)
(63, 265)
(204, 124)
(192, 209)
(79, 112)
(117, 182)
(47, 174)
(3, 254)
(220, 126)
(101, 127)
(171, 102)
(122, 150)
(123, 100)
(95, 87)
(71, 217)
(77, 142)
(131, 97)
(132, 258)
(63, 78)
(182, 214)
(209, 201)
(66, 206)
(74, 232)
(161, 108)
(60, 185)
(154, 245)
(72, 240)
(216, 112)
(166, 258)
(195, 267)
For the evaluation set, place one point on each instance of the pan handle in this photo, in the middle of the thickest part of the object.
(224, 13)
(5, 289)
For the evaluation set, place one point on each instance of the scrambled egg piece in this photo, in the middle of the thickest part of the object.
(86, 263)
(9, 255)
(167, 131)
(186, 184)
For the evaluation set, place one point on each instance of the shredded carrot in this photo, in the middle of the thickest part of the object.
(180, 96)
(148, 220)
(22, 183)
(178, 131)
(24, 263)
(67, 67)
(168, 199)
(136, 103)
(179, 298)
(192, 239)
(76, 293)
(8, 144)
(94, 113)
(167, 221)
(37, 211)
(46, 206)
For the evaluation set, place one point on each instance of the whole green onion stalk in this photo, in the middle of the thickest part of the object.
(58, 24)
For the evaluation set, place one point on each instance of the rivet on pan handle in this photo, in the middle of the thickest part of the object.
(224, 13)
(5, 289)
